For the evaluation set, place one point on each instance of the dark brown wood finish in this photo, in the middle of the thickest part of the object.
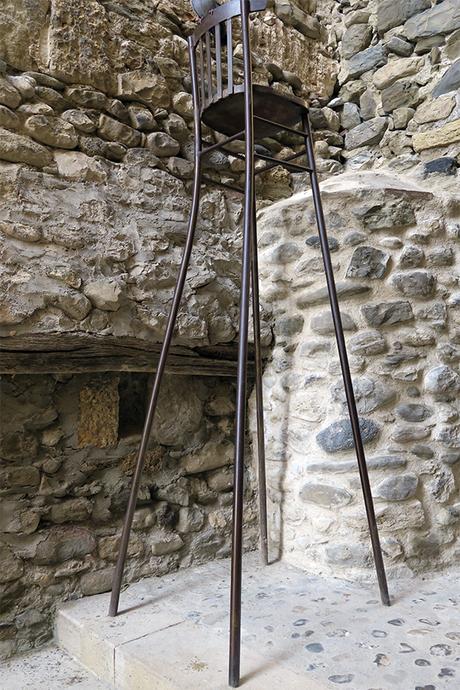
(222, 13)
(75, 354)
(273, 112)
(201, 74)
(208, 85)
(229, 33)
(217, 40)
(247, 112)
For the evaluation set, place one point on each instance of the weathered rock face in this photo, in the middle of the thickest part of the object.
(98, 100)
(399, 63)
(125, 53)
(95, 168)
(401, 319)
(106, 257)
(67, 452)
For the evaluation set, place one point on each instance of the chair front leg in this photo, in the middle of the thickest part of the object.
(345, 367)
(238, 486)
(261, 469)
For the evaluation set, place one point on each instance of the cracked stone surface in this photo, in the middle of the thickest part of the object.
(48, 669)
(312, 632)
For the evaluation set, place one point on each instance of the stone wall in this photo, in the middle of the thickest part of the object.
(97, 254)
(395, 249)
(68, 448)
(95, 168)
(397, 100)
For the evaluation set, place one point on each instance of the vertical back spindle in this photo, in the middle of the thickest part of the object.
(208, 67)
(218, 62)
(229, 56)
(201, 70)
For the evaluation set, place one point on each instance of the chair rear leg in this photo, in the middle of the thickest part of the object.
(238, 485)
(240, 438)
(347, 381)
(261, 470)
(128, 520)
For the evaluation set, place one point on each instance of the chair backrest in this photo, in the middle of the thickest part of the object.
(214, 69)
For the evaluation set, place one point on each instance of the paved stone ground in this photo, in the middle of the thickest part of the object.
(48, 669)
(299, 631)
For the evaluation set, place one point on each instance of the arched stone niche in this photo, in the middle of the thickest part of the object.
(394, 248)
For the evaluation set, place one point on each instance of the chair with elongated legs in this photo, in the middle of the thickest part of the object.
(226, 101)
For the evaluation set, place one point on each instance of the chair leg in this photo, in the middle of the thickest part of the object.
(118, 574)
(240, 437)
(238, 485)
(261, 473)
(351, 402)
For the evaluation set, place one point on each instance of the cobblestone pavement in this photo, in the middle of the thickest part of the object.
(323, 633)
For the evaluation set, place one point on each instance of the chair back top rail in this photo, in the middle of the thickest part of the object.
(226, 11)
(215, 73)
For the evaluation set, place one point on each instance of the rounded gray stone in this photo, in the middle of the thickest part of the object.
(338, 435)
(397, 488)
(379, 462)
(286, 252)
(442, 381)
(289, 325)
(356, 38)
(79, 120)
(368, 104)
(324, 324)
(368, 262)
(370, 394)
(403, 93)
(350, 116)
(449, 435)
(399, 46)
(407, 434)
(9, 95)
(382, 462)
(176, 127)
(113, 131)
(387, 313)
(326, 495)
(319, 295)
(411, 257)
(389, 215)
(440, 19)
(367, 133)
(141, 118)
(390, 13)
(422, 451)
(354, 237)
(367, 343)
(441, 256)
(365, 60)
(415, 283)
(162, 144)
(314, 241)
(324, 118)
(451, 458)
(413, 412)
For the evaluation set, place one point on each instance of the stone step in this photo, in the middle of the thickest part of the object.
(299, 632)
(156, 641)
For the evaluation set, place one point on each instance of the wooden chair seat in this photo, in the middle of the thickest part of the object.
(226, 114)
